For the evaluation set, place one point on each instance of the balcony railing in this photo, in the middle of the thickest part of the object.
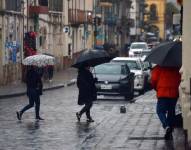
(77, 17)
(38, 10)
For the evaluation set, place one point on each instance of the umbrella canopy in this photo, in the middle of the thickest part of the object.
(39, 60)
(92, 57)
(168, 54)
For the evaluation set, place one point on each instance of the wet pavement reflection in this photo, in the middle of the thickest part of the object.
(137, 129)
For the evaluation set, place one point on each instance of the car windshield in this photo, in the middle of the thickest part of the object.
(109, 69)
(133, 65)
(138, 46)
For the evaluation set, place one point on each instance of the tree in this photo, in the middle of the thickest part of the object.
(170, 10)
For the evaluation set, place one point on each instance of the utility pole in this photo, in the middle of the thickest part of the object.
(85, 24)
(36, 19)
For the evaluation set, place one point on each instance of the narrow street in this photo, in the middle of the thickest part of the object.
(137, 129)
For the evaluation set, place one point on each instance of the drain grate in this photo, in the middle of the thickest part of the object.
(146, 138)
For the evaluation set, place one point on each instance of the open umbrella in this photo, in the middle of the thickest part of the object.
(168, 54)
(92, 57)
(39, 60)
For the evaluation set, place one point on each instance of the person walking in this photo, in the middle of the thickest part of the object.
(166, 80)
(87, 92)
(34, 90)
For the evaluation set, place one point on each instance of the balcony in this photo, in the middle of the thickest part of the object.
(105, 3)
(77, 17)
(38, 10)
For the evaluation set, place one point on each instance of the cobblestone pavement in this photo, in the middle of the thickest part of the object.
(137, 129)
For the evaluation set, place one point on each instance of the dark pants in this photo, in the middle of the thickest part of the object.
(86, 109)
(166, 111)
(34, 97)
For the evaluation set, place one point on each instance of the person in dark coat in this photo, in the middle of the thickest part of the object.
(34, 90)
(87, 92)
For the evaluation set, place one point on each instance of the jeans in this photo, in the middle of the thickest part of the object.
(86, 109)
(166, 111)
(33, 98)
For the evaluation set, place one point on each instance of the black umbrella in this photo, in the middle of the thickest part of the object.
(168, 54)
(92, 57)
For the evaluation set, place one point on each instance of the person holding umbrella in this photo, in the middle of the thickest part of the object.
(34, 90)
(87, 92)
(85, 81)
(165, 79)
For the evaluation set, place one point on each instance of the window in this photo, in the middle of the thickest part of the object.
(56, 5)
(43, 2)
(153, 12)
(1, 4)
(14, 5)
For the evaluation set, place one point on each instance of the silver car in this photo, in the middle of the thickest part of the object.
(137, 67)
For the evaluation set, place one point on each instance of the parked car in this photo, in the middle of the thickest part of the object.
(137, 48)
(114, 79)
(147, 68)
(136, 66)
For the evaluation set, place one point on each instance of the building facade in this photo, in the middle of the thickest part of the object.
(185, 86)
(114, 27)
(137, 19)
(62, 28)
(156, 16)
(11, 29)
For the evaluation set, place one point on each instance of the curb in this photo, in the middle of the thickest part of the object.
(54, 87)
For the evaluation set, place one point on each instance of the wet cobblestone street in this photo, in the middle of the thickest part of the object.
(137, 129)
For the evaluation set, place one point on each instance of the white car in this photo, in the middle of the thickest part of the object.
(137, 48)
(137, 67)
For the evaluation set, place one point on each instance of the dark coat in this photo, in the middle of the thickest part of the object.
(34, 83)
(86, 85)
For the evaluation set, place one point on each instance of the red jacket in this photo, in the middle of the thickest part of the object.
(166, 80)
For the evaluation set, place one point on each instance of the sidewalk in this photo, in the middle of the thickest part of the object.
(61, 79)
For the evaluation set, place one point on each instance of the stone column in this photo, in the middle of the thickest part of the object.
(186, 69)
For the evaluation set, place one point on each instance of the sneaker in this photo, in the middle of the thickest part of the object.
(39, 118)
(18, 115)
(90, 120)
(78, 116)
(168, 134)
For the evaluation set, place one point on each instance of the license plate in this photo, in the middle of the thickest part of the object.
(106, 87)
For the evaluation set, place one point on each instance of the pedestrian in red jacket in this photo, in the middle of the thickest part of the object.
(166, 80)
